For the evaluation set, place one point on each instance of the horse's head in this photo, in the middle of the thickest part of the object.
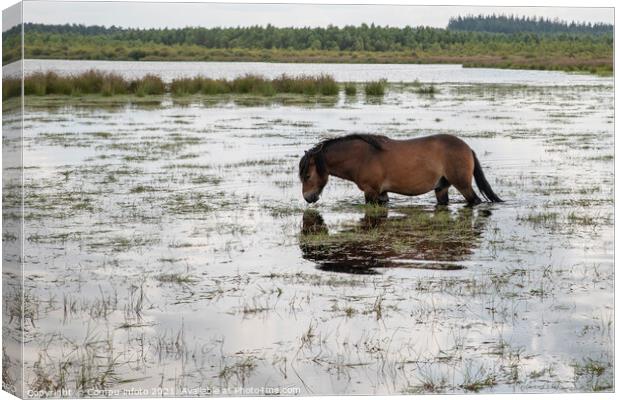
(313, 174)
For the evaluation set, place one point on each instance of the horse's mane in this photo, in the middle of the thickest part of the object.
(317, 151)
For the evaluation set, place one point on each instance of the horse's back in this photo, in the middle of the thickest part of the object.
(414, 166)
(443, 140)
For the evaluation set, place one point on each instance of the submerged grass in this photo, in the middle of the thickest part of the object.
(430, 89)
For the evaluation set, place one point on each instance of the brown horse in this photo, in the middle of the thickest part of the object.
(378, 165)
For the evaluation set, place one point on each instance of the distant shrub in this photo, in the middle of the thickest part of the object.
(136, 54)
(376, 88)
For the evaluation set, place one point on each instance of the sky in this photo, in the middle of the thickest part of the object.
(174, 15)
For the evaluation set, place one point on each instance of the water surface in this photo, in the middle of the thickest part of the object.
(452, 73)
(170, 244)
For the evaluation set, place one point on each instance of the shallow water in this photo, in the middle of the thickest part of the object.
(170, 246)
(438, 73)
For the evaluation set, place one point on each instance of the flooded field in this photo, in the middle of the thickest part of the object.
(170, 251)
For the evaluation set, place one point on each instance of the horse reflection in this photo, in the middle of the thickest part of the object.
(414, 237)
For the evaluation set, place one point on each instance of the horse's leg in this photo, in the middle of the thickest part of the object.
(469, 194)
(461, 177)
(383, 198)
(441, 191)
(372, 196)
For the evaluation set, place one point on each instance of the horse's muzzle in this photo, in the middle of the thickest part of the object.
(311, 197)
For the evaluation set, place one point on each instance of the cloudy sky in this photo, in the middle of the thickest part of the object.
(146, 15)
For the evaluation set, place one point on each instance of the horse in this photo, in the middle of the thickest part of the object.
(379, 165)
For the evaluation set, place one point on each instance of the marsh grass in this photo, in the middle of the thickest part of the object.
(593, 375)
(110, 84)
(175, 278)
(257, 85)
(350, 89)
(478, 379)
(88, 364)
(147, 85)
(541, 218)
(375, 88)
(323, 84)
(89, 82)
(11, 87)
(241, 370)
(22, 305)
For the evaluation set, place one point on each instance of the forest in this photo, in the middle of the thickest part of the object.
(515, 24)
(502, 42)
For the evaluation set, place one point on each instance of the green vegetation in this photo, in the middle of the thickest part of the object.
(376, 88)
(90, 82)
(591, 375)
(512, 24)
(108, 84)
(350, 89)
(573, 51)
(148, 85)
(255, 84)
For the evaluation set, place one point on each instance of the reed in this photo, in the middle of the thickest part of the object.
(350, 89)
(110, 84)
(376, 88)
(11, 87)
(89, 82)
(147, 85)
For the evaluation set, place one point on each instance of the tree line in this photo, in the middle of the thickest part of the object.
(349, 38)
(586, 50)
(515, 24)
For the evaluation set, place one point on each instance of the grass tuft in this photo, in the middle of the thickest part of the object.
(350, 89)
(376, 88)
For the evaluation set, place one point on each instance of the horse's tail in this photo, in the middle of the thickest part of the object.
(482, 183)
